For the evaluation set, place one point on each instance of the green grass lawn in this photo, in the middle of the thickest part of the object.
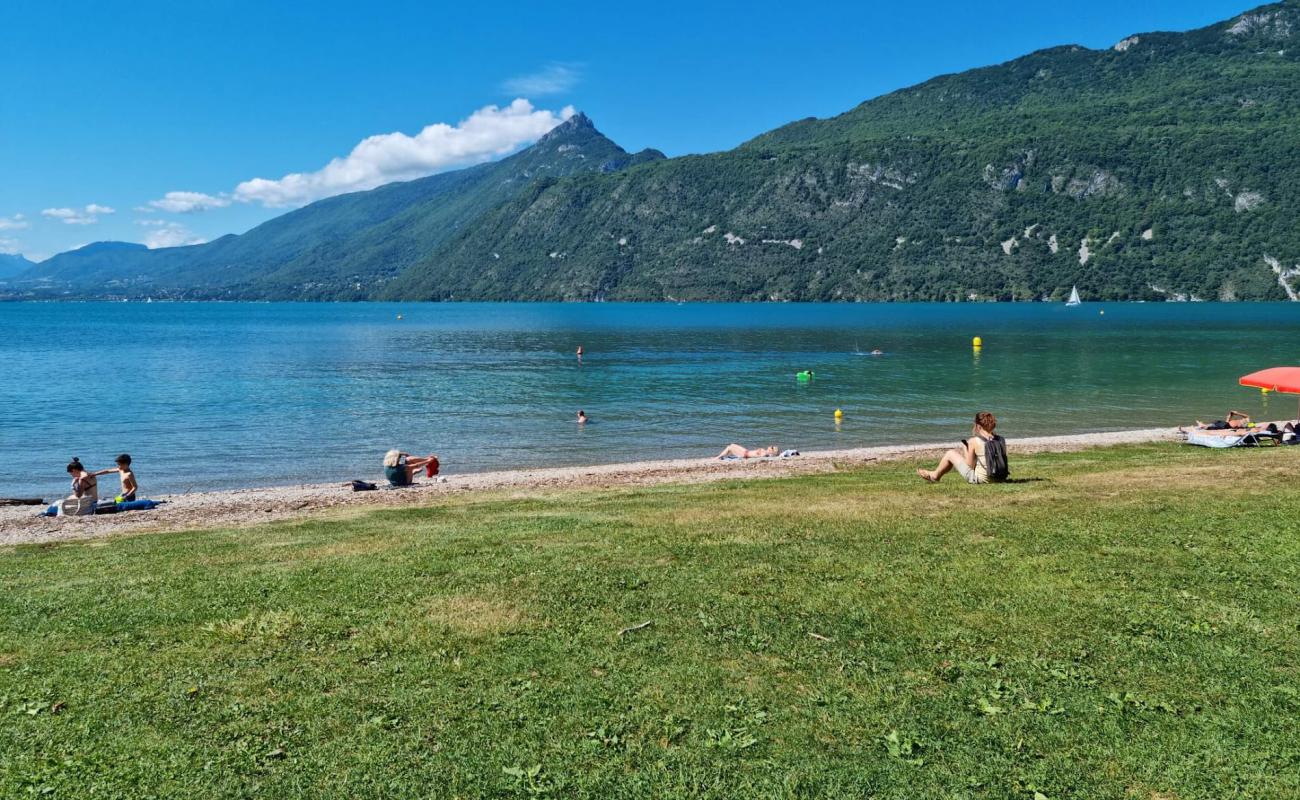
(1125, 624)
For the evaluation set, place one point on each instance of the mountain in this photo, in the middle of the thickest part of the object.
(343, 247)
(1164, 167)
(66, 270)
(11, 265)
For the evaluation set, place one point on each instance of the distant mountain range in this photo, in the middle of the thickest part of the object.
(344, 247)
(1165, 167)
(11, 265)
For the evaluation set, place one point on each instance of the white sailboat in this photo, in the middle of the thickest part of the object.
(1074, 297)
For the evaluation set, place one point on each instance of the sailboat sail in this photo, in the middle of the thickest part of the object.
(1074, 297)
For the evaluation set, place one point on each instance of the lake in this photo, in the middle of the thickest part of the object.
(225, 395)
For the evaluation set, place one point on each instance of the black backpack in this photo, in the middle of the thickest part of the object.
(995, 458)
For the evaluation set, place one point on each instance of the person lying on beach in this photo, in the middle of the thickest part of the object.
(740, 451)
(401, 468)
(971, 459)
(1235, 421)
(125, 475)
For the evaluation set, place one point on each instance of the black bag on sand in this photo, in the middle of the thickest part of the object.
(995, 458)
(362, 486)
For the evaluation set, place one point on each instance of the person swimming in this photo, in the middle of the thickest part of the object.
(582, 417)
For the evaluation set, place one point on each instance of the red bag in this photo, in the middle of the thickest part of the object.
(431, 468)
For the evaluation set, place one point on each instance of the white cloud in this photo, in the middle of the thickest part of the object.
(150, 223)
(15, 223)
(554, 79)
(491, 131)
(71, 216)
(8, 247)
(188, 202)
(171, 234)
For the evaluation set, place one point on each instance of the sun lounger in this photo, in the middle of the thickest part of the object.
(1251, 437)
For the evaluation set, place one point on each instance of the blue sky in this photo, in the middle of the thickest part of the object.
(107, 107)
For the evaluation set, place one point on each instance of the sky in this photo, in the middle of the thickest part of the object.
(172, 123)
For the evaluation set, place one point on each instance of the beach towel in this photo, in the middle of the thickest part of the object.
(138, 505)
(788, 454)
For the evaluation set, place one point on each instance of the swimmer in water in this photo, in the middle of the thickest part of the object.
(582, 417)
(877, 352)
(579, 352)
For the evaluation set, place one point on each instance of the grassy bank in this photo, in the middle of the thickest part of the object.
(1122, 624)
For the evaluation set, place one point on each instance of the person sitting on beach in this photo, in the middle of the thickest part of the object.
(401, 468)
(84, 483)
(971, 459)
(85, 490)
(125, 475)
(740, 451)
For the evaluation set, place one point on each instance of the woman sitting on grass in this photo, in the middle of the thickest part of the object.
(740, 451)
(971, 459)
(401, 468)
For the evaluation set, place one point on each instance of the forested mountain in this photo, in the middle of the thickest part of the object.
(1165, 167)
(343, 247)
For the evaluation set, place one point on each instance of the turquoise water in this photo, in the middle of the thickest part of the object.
(215, 395)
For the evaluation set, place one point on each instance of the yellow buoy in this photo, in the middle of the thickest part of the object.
(839, 414)
(1102, 312)
(977, 342)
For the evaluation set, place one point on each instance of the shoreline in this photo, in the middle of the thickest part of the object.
(245, 507)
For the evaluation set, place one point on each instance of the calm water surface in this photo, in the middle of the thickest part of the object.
(208, 395)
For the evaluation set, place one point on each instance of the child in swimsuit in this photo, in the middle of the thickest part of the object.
(126, 476)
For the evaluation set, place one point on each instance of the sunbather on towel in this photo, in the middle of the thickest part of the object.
(740, 451)
(401, 468)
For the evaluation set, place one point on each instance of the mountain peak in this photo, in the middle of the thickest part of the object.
(577, 122)
(101, 247)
